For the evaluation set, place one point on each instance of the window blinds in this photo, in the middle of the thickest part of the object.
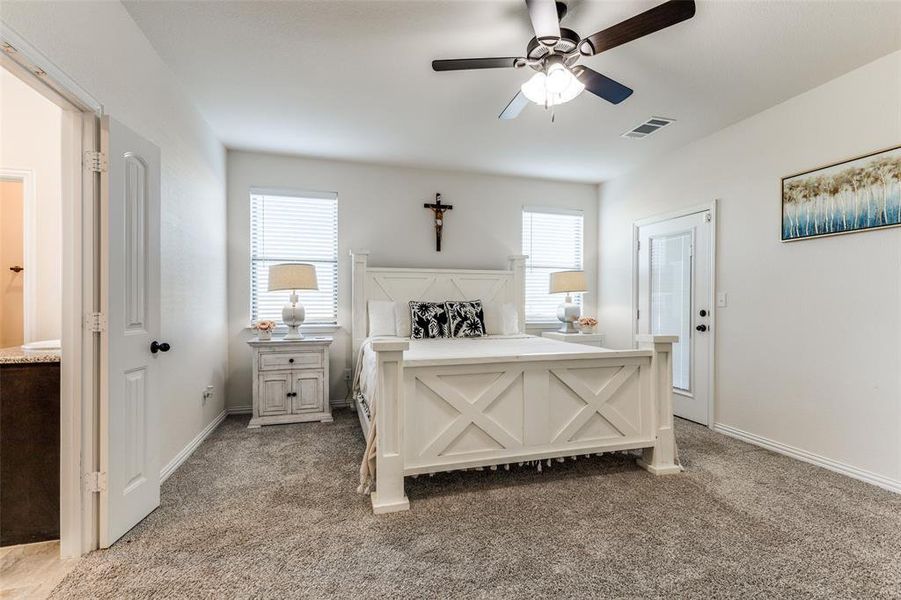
(294, 228)
(553, 242)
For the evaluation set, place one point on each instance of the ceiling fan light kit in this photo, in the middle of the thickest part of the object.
(555, 51)
(559, 85)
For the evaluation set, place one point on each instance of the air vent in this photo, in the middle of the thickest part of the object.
(648, 127)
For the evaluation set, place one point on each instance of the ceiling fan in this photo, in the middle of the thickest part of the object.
(555, 51)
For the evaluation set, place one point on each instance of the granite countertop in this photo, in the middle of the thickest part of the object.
(15, 355)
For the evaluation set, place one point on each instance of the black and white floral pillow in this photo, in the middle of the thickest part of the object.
(466, 319)
(428, 320)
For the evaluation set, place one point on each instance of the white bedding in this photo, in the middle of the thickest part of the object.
(468, 349)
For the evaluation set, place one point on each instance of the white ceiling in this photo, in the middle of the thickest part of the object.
(352, 79)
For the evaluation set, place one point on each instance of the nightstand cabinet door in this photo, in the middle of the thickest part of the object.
(273, 393)
(307, 390)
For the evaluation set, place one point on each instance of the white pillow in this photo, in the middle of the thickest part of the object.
(404, 328)
(494, 321)
(381, 318)
(510, 318)
(500, 318)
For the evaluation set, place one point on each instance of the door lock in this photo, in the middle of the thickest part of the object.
(703, 312)
(701, 327)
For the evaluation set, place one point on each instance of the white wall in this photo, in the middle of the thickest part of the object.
(809, 347)
(100, 47)
(31, 139)
(380, 210)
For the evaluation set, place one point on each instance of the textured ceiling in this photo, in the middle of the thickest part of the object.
(352, 80)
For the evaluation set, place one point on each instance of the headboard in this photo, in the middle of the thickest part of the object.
(403, 285)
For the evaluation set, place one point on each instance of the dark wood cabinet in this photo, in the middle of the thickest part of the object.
(29, 452)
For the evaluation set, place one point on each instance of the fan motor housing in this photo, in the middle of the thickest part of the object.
(569, 39)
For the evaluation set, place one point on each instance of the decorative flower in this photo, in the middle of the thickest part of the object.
(264, 325)
(588, 322)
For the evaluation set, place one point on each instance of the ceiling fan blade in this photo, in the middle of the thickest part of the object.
(515, 107)
(461, 64)
(601, 85)
(655, 19)
(543, 14)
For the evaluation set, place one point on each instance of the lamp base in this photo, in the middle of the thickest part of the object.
(293, 316)
(568, 313)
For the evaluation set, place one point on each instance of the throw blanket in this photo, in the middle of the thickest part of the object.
(367, 467)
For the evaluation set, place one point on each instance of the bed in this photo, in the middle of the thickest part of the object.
(449, 404)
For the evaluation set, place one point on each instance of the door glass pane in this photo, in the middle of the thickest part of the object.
(671, 299)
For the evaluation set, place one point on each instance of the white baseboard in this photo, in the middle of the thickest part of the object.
(188, 450)
(239, 410)
(886, 483)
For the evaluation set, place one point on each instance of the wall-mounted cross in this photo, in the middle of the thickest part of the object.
(438, 209)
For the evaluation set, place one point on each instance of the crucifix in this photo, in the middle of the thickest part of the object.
(438, 209)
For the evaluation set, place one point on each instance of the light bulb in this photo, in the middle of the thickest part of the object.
(558, 79)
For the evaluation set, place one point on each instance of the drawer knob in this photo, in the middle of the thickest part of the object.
(291, 360)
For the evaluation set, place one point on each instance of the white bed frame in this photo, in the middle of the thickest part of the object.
(444, 415)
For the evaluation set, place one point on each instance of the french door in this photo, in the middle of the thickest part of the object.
(674, 290)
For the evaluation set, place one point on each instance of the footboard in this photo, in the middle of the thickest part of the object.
(440, 417)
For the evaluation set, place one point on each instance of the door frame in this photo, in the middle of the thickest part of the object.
(684, 212)
(79, 382)
(29, 224)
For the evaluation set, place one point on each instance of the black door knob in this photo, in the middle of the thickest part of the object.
(16, 269)
(701, 328)
(155, 347)
(703, 313)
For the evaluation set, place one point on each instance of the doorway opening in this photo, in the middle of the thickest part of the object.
(48, 257)
(674, 271)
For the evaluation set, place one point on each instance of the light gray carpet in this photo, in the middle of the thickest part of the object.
(272, 513)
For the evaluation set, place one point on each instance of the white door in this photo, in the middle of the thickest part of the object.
(130, 299)
(674, 290)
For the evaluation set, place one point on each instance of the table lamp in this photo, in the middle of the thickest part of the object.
(568, 282)
(293, 276)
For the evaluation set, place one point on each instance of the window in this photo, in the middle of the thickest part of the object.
(294, 227)
(552, 239)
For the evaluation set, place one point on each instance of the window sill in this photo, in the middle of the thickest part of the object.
(544, 325)
(311, 328)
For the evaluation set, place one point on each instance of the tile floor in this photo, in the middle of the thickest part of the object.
(31, 570)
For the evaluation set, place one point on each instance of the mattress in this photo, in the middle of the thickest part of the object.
(468, 350)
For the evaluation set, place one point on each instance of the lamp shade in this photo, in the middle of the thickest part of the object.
(292, 276)
(568, 281)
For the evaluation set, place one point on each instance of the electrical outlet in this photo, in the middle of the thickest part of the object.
(207, 394)
(721, 299)
(347, 375)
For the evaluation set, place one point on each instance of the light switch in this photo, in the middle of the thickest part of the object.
(721, 299)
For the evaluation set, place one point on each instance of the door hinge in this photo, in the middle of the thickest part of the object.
(638, 247)
(95, 322)
(95, 161)
(95, 482)
(637, 314)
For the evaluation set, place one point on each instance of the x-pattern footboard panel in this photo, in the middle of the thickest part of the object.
(596, 403)
(471, 412)
(465, 413)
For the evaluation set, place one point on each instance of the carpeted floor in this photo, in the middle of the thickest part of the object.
(272, 513)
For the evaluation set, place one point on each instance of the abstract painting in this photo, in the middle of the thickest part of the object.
(854, 195)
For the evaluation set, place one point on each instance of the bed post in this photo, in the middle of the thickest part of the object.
(389, 493)
(660, 459)
(359, 262)
(517, 264)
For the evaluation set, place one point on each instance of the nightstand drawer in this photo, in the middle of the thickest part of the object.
(302, 360)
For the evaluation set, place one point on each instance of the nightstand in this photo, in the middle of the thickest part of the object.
(588, 339)
(290, 381)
